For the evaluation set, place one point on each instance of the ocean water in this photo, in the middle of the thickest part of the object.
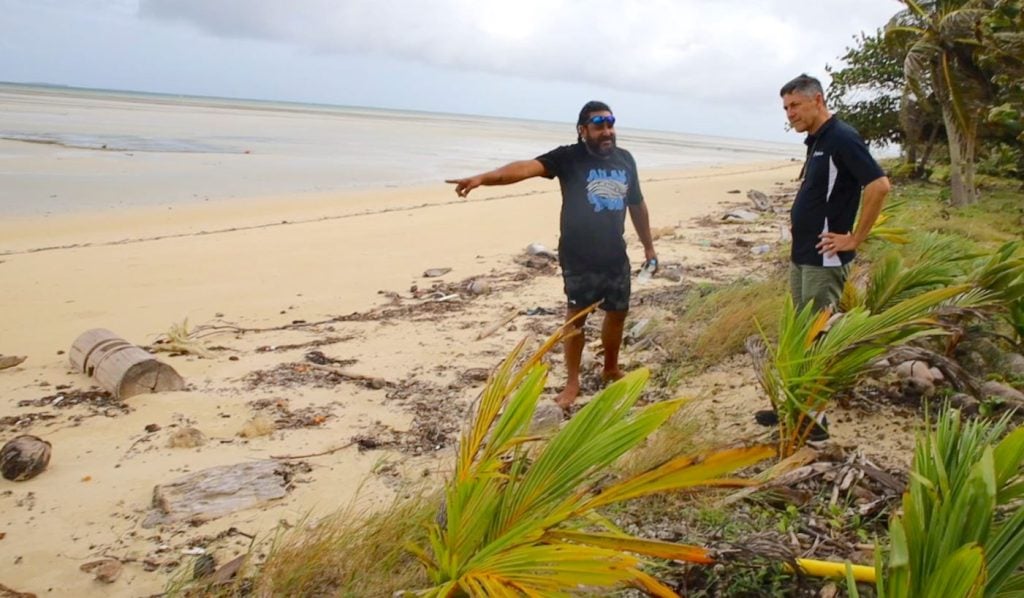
(65, 150)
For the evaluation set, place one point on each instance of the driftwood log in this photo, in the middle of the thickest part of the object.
(120, 367)
(217, 491)
(24, 457)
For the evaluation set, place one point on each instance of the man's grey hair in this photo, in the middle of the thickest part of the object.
(804, 85)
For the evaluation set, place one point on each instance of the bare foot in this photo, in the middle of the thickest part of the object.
(608, 376)
(567, 396)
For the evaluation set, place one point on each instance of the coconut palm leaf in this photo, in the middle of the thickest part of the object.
(519, 510)
(807, 367)
(953, 539)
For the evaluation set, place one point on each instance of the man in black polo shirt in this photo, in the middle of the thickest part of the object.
(838, 166)
(599, 184)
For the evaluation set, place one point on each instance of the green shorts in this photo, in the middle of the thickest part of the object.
(820, 284)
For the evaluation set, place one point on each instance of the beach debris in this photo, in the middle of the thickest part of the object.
(260, 425)
(546, 418)
(24, 457)
(217, 491)
(508, 317)
(374, 382)
(538, 311)
(478, 286)
(760, 249)
(638, 330)
(330, 451)
(204, 565)
(179, 340)
(228, 571)
(6, 592)
(740, 216)
(435, 272)
(9, 361)
(104, 570)
(150, 428)
(476, 374)
(760, 200)
(120, 367)
(540, 250)
(734, 191)
(186, 438)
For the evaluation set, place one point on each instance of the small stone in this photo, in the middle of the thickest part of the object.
(1013, 364)
(435, 272)
(9, 361)
(998, 390)
(965, 403)
(546, 417)
(915, 369)
(150, 428)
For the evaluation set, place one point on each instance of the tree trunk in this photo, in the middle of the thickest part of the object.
(961, 160)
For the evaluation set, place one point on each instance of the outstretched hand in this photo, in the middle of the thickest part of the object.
(464, 186)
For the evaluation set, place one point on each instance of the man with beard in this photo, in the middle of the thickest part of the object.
(599, 183)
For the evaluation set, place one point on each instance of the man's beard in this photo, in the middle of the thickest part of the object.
(595, 146)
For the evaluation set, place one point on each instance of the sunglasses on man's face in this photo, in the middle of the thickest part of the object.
(600, 120)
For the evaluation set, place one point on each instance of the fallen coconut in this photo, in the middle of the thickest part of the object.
(24, 457)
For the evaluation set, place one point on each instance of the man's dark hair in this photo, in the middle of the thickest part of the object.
(585, 112)
(804, 84)
(589, 108)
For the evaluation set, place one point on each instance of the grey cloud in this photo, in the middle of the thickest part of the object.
(702, 48)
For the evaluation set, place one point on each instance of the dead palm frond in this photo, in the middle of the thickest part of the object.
(179, 339)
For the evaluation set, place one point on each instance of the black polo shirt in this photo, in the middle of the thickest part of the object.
(838, 167)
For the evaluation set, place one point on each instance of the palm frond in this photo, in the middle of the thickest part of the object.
(515, 509)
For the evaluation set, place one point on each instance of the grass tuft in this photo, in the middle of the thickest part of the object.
(715, 321)
(349, 554)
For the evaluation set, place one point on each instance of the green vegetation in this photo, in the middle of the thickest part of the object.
(521, 513)
(713, 322)
(941, 72)
(961, 532)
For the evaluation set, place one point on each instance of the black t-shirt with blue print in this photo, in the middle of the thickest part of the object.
(837, 169)
(595, 193)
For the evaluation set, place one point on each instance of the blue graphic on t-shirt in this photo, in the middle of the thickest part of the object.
(606, 189)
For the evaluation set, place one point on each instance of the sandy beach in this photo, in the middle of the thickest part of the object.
(271, 277)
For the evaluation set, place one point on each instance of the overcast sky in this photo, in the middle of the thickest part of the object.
(697, 66)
